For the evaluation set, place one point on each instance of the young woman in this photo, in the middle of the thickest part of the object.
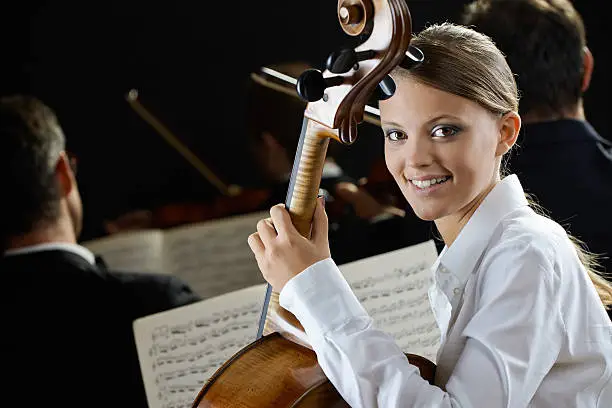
(522, 318)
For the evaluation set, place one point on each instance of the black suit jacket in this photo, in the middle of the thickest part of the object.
(567, 167)
(67, 329)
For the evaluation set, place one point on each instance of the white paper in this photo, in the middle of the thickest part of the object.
(392, 287)
(137, 251)
(181, 348)
(178, 355)
(214, 257)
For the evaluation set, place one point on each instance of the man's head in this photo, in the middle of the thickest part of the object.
(41, 201)
(545, 46)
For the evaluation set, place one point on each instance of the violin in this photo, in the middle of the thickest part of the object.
(280, 368)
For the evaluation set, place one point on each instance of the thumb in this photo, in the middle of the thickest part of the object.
(319, 223)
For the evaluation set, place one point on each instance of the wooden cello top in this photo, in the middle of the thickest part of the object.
(249, 380)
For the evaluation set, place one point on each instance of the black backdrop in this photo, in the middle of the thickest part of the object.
(189, 61)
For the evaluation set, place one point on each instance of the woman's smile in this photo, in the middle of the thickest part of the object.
(425, 186)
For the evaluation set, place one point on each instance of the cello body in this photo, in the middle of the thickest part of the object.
(286, 372)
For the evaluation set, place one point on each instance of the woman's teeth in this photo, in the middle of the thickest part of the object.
(430, 182)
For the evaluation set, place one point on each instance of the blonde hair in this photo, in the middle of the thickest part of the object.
(587, 258)
(464, 62)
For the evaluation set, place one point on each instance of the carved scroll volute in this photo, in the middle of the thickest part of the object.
(388, 24)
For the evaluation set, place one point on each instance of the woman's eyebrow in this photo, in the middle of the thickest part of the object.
(426, 124)
(391, 124)
(439, 117)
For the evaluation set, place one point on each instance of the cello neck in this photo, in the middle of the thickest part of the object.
(306, 175)
(300, 202)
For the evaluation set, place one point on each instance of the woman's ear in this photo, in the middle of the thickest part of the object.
(509, 128)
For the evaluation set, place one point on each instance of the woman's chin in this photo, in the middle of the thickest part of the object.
(427, 217)
(428, 212)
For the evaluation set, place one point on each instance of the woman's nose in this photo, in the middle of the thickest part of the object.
(418, 152)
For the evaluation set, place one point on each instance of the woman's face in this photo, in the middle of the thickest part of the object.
(443, 150)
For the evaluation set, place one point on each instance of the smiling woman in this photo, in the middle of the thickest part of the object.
(521, 320)
(446, 155)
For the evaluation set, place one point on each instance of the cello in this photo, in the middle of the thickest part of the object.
(280, 368)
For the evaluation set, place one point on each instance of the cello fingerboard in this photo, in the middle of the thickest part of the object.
(301, 202)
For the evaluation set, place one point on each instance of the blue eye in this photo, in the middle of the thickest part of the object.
(443, 131)
(395, 135)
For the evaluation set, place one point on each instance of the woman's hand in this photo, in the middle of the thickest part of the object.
(281, 251)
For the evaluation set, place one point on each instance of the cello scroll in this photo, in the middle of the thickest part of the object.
(387, 25)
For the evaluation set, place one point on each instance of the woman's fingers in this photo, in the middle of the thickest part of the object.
(256, 245)
(266, 231)
(282, 220)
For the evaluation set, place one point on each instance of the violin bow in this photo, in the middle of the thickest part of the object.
(228, 190)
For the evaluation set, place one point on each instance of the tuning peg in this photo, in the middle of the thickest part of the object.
(414, 56)
(342, 61)
(311, 84)
(385, 89)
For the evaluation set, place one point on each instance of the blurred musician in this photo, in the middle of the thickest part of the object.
(67, 319)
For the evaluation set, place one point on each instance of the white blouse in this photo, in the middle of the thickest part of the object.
(522, 324)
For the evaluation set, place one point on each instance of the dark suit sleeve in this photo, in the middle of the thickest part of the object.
(178, 293)
(151, 293)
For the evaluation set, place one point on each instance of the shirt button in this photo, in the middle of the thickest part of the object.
(456, 291)
(443, 269)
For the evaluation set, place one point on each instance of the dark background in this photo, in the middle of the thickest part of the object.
(190, 61)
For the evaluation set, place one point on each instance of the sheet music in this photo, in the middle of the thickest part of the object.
(214, 257)
(138, 251)
(392, 287)
(181, 348)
